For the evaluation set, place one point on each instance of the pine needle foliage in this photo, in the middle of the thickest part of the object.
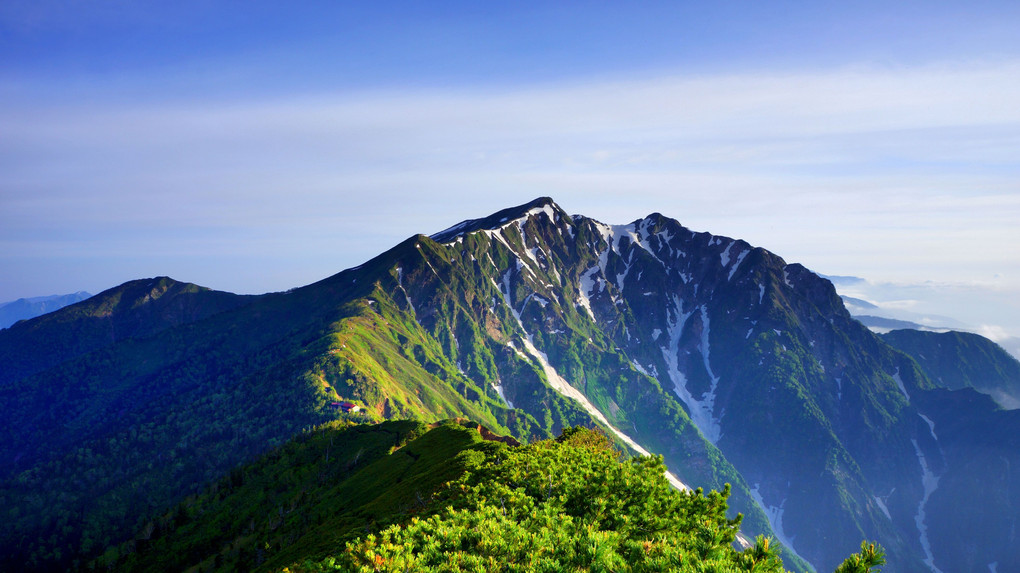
(560, 505)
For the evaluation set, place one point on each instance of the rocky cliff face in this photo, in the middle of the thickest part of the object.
(760, 356)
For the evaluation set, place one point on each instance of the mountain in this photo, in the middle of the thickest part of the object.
(884, 318)
(956, 360)
(734, 365)
(136, 309)
(881, 324)
(25, 308)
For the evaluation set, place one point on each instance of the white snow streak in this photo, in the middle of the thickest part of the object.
(564, 388)
(899, 384)
(531, 252)
(400, 283)
(499, 390)
(701, 410)
(930, 482)
(709, 398)
(931, 425)
(586, 286)
(547, 209)
(775, 516)
(736, 265)
(881, 505)
(725, 255)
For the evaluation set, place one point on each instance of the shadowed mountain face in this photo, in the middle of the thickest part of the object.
(136, 309)
(734, 365)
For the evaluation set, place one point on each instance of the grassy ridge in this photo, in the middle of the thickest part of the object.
(402, 496)
(301, 500)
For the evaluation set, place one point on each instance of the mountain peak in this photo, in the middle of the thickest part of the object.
(500, 219)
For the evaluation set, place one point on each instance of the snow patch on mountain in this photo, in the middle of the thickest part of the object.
(930, 482)
(931, 425)
(709, 398)
(701, 410)
(564, 388)
(530, 253)
(881, 505)
(400, 283)
(736, 265)
(774, 513)
(724, 257)
(899, 384)
(639, 368)
(497, 235)
(498, 387)
(587, 283)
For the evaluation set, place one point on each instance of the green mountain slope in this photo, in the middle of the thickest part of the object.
(302, 500)
(732, 364)
(956, 360)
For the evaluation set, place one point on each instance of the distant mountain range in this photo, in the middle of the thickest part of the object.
(884, 317)
(734, 365)
(25, 308)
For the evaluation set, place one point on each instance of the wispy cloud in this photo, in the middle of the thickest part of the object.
(862, 170)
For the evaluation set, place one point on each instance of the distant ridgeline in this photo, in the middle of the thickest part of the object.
(734, 366)
(25, 308)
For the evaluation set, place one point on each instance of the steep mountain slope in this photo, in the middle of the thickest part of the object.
(805, 401)
(734, 365)
(956, 360)
(26, 308)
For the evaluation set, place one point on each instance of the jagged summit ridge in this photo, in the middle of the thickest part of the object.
(686, 268)
(502, 218)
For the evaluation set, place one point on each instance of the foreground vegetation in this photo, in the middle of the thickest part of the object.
(402, 496)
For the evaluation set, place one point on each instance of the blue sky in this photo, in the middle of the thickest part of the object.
(256, 146)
